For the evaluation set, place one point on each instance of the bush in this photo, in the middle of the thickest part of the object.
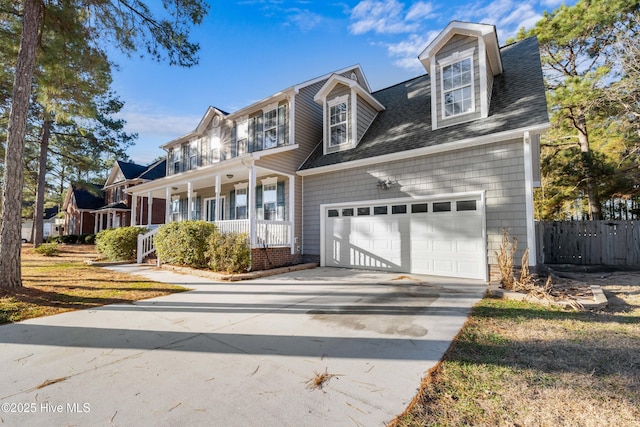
(53, 239)
(69, 239)
(119, 244)
(229, 252)
(47, 249)
(184, 243)
(88, 239)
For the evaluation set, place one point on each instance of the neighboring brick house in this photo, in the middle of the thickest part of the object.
(419, 177)
(80, 201)
(91, 208)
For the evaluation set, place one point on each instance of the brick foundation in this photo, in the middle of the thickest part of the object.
(266, 259)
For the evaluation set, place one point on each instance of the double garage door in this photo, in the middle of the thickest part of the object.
(443, 237)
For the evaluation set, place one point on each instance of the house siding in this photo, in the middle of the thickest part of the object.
(366, 114)
(497, 168)
(458, 43)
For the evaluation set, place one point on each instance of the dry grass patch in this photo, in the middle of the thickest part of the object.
(62, 283)
(523, 364)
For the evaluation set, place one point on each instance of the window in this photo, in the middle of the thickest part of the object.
(269, 201)
(210, 209)
(442, 207)
(242, 134)
(332, 213)
(347, 212)
(364, 211)
(193, 155)
(419, 208)
(399, 209)
(466, 205)
(379, 210)
(175, 156)
(241, 203)
(457, 88)
(271, 128)
(338, 122)
(175, 208)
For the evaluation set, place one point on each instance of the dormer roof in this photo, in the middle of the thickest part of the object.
(484, 31)
(336, 79)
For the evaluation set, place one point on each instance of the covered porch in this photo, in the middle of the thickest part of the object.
(237, 195)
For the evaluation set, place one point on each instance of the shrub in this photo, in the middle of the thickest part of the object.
(47, 249)
(53, 239)
(184, 243)
(88, 239)
(118, 244)
(69, 239)
(229, 252)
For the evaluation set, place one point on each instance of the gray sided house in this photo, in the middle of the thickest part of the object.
(420, 177)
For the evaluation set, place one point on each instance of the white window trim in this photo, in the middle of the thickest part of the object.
(452, 59)
(344, 99)
(241, 186)
(206, 212)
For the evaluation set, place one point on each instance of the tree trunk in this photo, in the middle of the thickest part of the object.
(38, 223)
(587, 162)
(10, 230)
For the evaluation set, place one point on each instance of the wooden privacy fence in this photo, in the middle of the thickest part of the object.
(589, 242)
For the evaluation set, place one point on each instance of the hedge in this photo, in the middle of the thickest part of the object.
(119, 244)
(184, 242)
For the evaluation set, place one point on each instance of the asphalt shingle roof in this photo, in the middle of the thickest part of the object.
(88, 196)
(159, 170)
(131, 170)
(517, 101)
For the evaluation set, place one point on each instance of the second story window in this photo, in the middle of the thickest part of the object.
(175, 155)
(338, 129)
(271, 128)
(457, 88)
(193, 155)
(242, 133)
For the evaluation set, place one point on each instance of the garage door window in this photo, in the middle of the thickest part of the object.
(380, 210)
(442, 207)
(347, 212)
(466, 205)
(364, 211)
(419, 208)
(399, 209)
(333, 213)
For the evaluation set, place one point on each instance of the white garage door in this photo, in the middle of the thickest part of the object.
(443, 237)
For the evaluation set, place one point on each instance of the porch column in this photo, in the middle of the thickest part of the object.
(149, 207)
(81, 222)
(95, 222)
(251, 204)
(216, 214)
(189, 200)
(291, 214)
(134, 209)
(167, 205)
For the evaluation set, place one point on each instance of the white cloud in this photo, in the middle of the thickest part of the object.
(552, 4)
(305, 20)
(159, 125)
(420, 10)
(381, 17)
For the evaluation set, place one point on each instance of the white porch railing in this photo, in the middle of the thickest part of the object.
(268, 233)
(146, 244)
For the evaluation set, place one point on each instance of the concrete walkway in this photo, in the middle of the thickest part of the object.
(236, 354)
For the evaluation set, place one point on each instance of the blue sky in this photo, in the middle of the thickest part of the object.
(251, 49)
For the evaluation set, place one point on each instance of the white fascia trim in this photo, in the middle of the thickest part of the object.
(256, 106)
(424, 151)
(321, 95)
(299, 86)
(529, 206)
(354, 118)
(434, 96)
(482, 67)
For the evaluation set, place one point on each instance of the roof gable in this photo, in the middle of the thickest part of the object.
(484, 31)
(336, 79)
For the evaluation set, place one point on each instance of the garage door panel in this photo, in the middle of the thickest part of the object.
(439, 243)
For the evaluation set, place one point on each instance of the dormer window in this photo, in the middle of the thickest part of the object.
(338, 128)
(457, 88)
(457, 82)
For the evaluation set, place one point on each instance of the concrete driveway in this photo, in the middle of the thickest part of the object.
(236, 354)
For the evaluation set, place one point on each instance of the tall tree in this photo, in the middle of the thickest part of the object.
(577, 46)
(131, 25)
